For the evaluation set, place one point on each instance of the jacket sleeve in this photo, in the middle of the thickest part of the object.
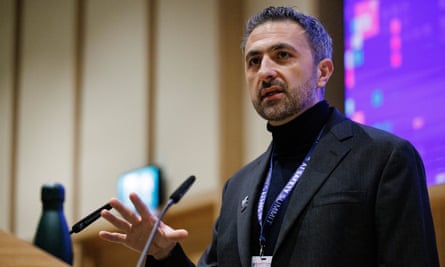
(404, 224)
(176, 258)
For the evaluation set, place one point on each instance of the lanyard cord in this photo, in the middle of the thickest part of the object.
(282, 196)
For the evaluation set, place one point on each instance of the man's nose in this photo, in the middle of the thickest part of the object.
(267, 69)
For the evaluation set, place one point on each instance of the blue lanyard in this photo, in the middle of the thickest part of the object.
(282, 196)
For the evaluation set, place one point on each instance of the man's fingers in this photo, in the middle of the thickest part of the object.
(125, 211)
(177, 235)
(166, 235)
(116, 221)
(141, 208)
(113, 237)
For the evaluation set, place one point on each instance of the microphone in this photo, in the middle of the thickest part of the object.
(82, 224)
(174, 198)
(182, 189)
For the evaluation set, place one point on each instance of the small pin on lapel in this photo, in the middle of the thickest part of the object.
(244, 203)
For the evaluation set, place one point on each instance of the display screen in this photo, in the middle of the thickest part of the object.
(395, 72)
(146, 182)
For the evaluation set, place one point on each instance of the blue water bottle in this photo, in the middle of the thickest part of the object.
(52, 232)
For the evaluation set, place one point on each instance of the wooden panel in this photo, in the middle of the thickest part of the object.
(231, 91)
(437, 198)
(8, 51)
(330, 14)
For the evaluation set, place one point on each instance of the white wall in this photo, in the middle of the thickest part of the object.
(113, 130)
(45, 108)
(187, 90)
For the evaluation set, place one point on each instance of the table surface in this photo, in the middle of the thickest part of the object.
(16, 252)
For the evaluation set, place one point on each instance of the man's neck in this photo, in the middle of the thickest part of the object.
(301, 131)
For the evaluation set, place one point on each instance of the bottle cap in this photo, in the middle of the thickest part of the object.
(53, 192)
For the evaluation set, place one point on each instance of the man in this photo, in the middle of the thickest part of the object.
(327, 191)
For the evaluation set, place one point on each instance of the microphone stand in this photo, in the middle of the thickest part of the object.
(153, 232)
(174, 198)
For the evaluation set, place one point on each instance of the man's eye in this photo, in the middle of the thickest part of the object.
(254, 61)
(283, 55)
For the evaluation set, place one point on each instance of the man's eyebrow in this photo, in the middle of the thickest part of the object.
(252, 53)
(281, 46)
(274, 47)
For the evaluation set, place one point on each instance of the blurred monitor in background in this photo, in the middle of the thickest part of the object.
(146, 182)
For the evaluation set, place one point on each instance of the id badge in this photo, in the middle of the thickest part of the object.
(258, 261)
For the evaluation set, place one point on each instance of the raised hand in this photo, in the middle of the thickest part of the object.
(134, 229)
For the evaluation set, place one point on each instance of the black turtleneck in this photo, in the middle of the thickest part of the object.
(291, 142)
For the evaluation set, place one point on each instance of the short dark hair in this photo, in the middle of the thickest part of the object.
(318, 37)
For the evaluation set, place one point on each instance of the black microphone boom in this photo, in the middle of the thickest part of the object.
(180, 192)
(174, 198)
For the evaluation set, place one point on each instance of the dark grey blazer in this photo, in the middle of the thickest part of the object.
(362, 201)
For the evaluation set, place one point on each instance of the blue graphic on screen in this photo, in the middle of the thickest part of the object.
(395, 72)
(145, 182)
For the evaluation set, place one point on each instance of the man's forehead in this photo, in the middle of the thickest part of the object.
(272, 24)
(283, 31)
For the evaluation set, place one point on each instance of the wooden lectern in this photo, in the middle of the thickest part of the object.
(15, 252)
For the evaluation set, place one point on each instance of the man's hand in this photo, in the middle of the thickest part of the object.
(135, 229)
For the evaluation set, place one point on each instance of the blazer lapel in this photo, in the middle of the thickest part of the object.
(326, 156)
(246, 211)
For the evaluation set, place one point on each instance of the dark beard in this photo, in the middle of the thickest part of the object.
(301, 99)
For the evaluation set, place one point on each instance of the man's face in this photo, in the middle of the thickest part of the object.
(281, 76)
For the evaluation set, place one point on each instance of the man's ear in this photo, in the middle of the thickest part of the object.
(325, 69)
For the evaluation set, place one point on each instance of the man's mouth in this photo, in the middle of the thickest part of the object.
(270, 92)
